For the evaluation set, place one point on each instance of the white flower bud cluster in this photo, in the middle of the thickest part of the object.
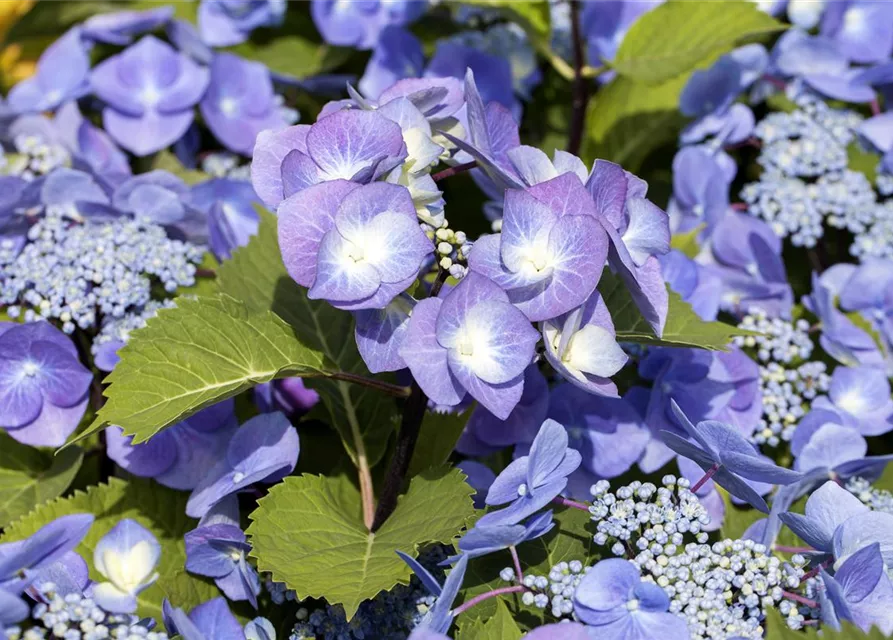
(452, 248)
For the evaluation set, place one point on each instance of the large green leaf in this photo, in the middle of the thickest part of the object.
(678, 36)
(256, 276)
(683, 328)
(195, 355)
(777, 629)
(161, 510)
(309, 533)
(437, 439)
(30, 477)
(500, 626)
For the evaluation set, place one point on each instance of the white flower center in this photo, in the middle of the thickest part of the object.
(30, 369)
(238, 476)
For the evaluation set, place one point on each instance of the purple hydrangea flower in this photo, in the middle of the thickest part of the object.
(230, 208)
(211, 620)
(471, 340)
(480, 477)
(438, 618)
(860, 591)
(126, 556)
(694, 283)
(552, 249)
(861, 397)
(44, 388)
(240, 102)
(120, 27)
(485, 539)
(454, 59)
(360, 24)
(12, 608)
(91, 148)
(824, 447)
(826, 509)
(560, 631)
(218, 551)
(379, 334)
(701, 181)
(531, 482)
(289, 395)
(357, 246)
(150, 91)
(181, 456)
(162, 198)
(62, 75)
(862, 30)
(264, 449)
(613, 598)
(223, 23)
(397, 55)
(360, 146)
(22, 559)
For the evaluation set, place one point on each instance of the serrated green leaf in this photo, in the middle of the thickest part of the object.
(437, 439)
(500, 626)
(627, 120)
(309, 533)
(777, 629)
(30, 477)
(194, 355)
(256, 276)
(687, 242)
(678, 36)
(683, 328)
(161, 510)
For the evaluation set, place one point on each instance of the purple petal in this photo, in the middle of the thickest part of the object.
(215, 620)
(830, 446)
(355, 145)
(270, 150)
(471, 291)
(380, 334)
(147, 134)
(147, 459)
(426, 359)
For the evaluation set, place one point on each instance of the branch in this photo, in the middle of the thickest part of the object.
(580, 86)
(385, 387)
(452, 171)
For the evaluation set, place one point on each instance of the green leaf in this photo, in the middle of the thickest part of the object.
(161, 510)
(194, 355)
(629, 119)
(865, 162)
(30, 477)
(683, 328)
(256, 276)
(167, 161)
(309, 533)
(500, 626)
(678, 36)
(777, 629)
(687, 242)
(738, 518)
(438, 437)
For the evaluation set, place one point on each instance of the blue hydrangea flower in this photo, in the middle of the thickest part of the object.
(44, 387)
(219, 552)
(397, 55)
(240, 102)
(161, 197)
(211, 620)
(22, 559)
(472, 340)
(531, 482)
(701, 181)
(149, 90)
(230, 208)
(859, 591)
(484, 539)
(439, 618)
(613, 598)
(862, 396)
(61, 76)
(604, 25)
(560, 631)
(694, 283)
(826, 509)
(126, 556)
(360, 24)
(91, 147)
(120, 27)
(181, 456)
(223, 23)
(379, 334)
(863, 31)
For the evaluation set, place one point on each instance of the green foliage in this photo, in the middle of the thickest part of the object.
(437, 439)
(738, 518)
(687, 242)
(167, 161)
(865, 162)
(683, 328)
(778, 630)
(29, 477)
(500, 626)
(256, 276)
(195, 355)
(678, 36)
(336, 557)
(161, 510)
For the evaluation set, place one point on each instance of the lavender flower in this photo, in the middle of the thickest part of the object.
(859, 591)
(211, 620)
(62, 75)
(127, 556)
(120, 27)
(223, 23)
(360, 25)
(218, 551)
(230, 208)
(440, 617)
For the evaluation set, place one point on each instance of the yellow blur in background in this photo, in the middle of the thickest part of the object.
(17, 60)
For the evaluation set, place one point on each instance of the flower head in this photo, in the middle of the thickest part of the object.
(223, 23)
(126, 556)
(62, 75)
(219, 551)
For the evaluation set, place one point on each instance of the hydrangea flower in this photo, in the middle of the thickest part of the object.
(531, 482)
(360, 146)
(120, 27)
(240, 102)
(863, 31)
(288, 395)
(360, 25)
(484, 539)
(149, 90)
(230, 209)
(180, 456)
(379, 334)
(20, 560)
(861, 396)
(62, 75)
(701, 181)
(439, 618)
(126, 556)
(211, 620)
(694, 283)
(859, 591)
(473, 341)
(357, 247)
(91, 148)
(223, 23)
(218, 551)
(44, 388)
(397, 55)
(613, 598)
(826, 509)
(605, 24)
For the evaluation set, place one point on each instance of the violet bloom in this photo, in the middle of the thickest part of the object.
(613, 598)
(223, 23)
(865, 288)
(62, 75)
(560, 631)
(71, 193)
(581, 345)
(120, 27)
(264, 449)
(357, 247)
(230, 208)
(12, 608)
(863, 31)
(360, 146)
(438, 618)
(453, 59)
(44, 388)
(288, 395)
(211, 620)
(20, 560)
(397, 55)
(360, 24)
(126, 556)
(473, 340)
(701, 181)
(486, 539)
(552, 249)
(861, 396)
(694, 283)
(182, 455)
(91, 148)
(150, 91)
(161, 198)
(240, 102)
(605, 24)
(379, 334)
(219, 552)
(826, 509)
(531, 482)
(860, 592)
(479, 477)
